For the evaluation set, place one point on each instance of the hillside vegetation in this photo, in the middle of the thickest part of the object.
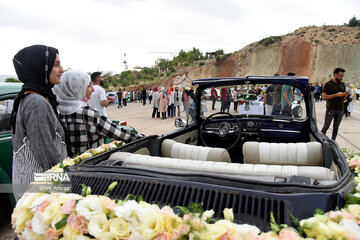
(308, 51)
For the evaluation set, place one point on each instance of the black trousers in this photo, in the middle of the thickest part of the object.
(155, 112)
(329, 116)
(213, 103)
(235, 106)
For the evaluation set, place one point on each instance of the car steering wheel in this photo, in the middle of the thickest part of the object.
(223, 130)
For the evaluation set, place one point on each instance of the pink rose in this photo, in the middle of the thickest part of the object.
(68, 207)
(184, 229)
(337, 216)
(226, 236)
(28, 225)
(288, 234)
(109, 204)
(79, 223)
(51, 234)
(167, 210)
(354, 163)
(43, 205)
(265, 236)
(163, 236)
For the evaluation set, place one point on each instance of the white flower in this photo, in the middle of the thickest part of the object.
(29, 235)
(129, 209)
(89, 206)
(351, 227)
(68, 162)
(63, 198)
(136, 236)
(85, 155)
(207, 214)
(229, 214)
(247, 231)
(51, 211)
(26, 200)
(39, 200)
(98, 225)
(39, 225)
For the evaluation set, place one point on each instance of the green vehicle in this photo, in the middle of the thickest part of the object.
(8, 93)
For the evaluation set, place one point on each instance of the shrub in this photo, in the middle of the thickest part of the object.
(186, 64)
(353, 22)
(201, 64)
(357, 35)
(218, 59)
(12, 80)
(270, 40)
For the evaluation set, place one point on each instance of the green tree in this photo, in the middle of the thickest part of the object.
(353, 22)
(12, 80)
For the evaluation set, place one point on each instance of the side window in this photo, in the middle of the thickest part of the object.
(6, 107)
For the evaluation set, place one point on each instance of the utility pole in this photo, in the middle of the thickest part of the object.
(125, 62)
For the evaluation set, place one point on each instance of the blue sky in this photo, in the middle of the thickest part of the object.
(93, 35)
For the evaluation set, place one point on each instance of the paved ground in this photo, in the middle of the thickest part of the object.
(139, 117)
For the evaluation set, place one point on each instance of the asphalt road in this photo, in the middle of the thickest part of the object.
(139, 117)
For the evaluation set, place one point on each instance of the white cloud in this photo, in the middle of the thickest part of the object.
(93, 35)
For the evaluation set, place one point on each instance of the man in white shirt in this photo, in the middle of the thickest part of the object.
(98, 98)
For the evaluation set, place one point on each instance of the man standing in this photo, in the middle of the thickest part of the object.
(334, 94)
(124, 97)
(98, 98)
(268, 99)
(119, 96)
(213, 97)
(286, 99)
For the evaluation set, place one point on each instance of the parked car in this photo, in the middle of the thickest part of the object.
(111, 97)
(244, 160)
(8, 93)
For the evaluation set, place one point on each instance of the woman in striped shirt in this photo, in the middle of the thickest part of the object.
(86, 126)
(38, 135)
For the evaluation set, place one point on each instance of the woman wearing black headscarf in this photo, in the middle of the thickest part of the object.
(38, 136)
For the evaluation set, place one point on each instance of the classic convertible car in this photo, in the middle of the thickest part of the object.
(256, 159)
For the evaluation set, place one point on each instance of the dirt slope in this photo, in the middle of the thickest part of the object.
(309, 51)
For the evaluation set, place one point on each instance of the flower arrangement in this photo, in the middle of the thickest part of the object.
(72, 216)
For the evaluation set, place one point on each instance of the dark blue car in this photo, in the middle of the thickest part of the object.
(253, 155)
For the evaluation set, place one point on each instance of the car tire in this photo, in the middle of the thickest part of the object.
(297, 111)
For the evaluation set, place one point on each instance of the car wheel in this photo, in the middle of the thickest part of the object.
(297, 111)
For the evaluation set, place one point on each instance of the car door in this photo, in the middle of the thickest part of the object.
(6, 105)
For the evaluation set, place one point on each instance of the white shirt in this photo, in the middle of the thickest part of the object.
(96, 97)
(171, 98)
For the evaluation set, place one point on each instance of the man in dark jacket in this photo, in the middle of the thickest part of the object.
(334, 93)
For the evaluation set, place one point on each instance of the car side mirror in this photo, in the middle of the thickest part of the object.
(180, 123)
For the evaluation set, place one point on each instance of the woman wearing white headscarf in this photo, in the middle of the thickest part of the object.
(163, 103)
(86, 125)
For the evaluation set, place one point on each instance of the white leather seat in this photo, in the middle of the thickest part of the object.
(300, 154)
(173, 149)
(315, 172)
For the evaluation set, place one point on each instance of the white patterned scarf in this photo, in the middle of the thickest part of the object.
(71, 91)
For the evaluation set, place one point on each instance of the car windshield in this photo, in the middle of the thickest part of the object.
(271, 100)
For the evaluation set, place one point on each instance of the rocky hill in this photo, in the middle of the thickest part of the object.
(309, 51)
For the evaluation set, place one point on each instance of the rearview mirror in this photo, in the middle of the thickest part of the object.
(180, 123)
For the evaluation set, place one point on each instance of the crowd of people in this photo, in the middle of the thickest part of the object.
(166, 103)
